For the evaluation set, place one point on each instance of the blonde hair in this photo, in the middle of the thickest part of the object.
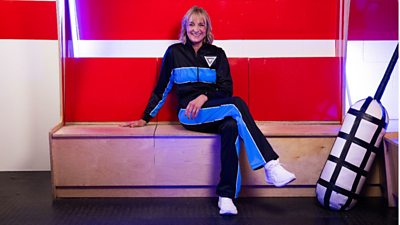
(195, 10)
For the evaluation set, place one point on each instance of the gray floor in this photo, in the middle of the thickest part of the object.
(25, 198)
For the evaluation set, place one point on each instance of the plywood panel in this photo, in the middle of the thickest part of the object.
(303, 156)
(187, 161)
(178, 131)
(269, 129)
(294, 130)
(175, 162)
(392, 171)
(263, 191)
(103, 162)
(136, 192)
(103, 130)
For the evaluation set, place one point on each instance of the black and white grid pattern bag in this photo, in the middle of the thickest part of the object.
(352, 155)
(354, 150)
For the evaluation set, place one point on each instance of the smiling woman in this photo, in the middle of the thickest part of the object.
(196, 25)
(200, 71)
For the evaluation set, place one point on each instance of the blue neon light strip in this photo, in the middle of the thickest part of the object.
(73, 15)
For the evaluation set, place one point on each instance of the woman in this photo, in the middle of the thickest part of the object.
(203, 82)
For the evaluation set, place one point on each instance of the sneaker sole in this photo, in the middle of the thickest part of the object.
(227, 213)
(283, 183)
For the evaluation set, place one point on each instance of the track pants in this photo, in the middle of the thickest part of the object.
(230, 117)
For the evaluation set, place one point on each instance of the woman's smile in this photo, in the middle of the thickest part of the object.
(196, 30)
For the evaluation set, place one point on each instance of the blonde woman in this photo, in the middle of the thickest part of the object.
(200, 71)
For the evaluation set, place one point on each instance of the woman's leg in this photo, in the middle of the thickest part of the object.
(230, 117)
(229, 184)
(261, 142)
(258, 150)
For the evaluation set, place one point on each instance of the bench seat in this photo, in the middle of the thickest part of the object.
(165, 160)
(392, 168)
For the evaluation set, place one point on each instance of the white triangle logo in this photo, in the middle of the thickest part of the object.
(210, 60)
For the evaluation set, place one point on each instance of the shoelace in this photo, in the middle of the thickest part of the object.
(274, 164)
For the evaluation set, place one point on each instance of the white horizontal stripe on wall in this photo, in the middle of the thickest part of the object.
(278, 48)
(233, 48)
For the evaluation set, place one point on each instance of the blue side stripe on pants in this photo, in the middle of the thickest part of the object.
(211, 114)
(238, 176)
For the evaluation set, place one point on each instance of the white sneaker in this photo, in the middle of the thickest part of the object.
(226, 206)
(277, 175)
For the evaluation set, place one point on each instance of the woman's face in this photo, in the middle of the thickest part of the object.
(196, 29)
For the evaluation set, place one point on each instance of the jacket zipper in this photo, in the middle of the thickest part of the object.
(197, 67)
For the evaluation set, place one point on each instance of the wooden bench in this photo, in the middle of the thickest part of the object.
(164, 160)
(392, 168)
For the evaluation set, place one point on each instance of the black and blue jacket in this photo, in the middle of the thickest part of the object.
(206, 72)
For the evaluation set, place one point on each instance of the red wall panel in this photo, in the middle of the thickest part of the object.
(108, 89)
(240, 76)
(28, 20)
(373, 20)
(93, 90)
(251, 19)
(295, 89)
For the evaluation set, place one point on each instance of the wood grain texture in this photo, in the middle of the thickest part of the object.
(371, 191)
(169, 161)
(97, 162)
(391, 156)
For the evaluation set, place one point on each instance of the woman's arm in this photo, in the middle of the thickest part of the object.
(224, 78)
(159, 94)
(135, 123)
(192, 109)
(163, 87)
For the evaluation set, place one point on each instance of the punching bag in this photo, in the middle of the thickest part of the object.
(354, 150)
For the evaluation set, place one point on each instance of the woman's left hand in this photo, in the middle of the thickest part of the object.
(194, 106)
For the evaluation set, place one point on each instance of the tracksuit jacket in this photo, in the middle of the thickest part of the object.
(208, 73)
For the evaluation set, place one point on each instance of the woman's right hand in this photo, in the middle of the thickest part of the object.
(135, 123)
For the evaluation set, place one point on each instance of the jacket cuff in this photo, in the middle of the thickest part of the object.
(146, 117)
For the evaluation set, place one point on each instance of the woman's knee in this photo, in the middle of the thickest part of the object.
(237, 99)
(228, 124)
(239, 102)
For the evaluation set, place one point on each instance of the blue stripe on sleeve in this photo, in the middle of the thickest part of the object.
(170, 84)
